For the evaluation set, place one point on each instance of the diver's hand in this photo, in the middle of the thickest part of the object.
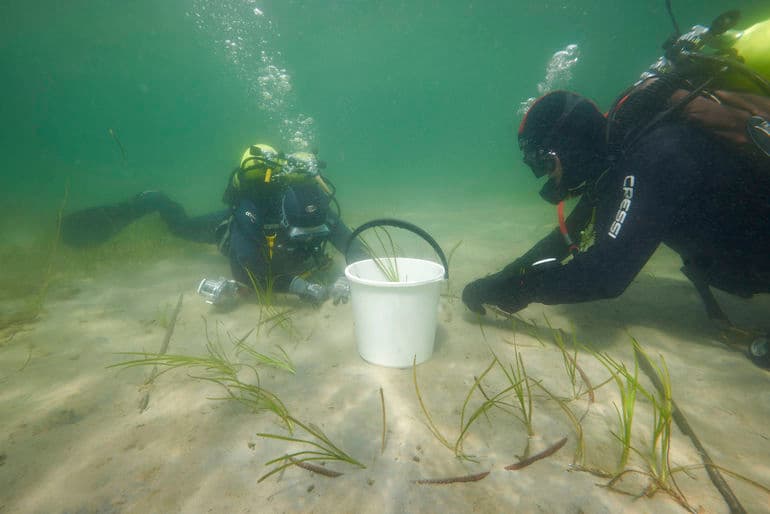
(315, 293)
(507, 293)
(475, 295)
(340, 291)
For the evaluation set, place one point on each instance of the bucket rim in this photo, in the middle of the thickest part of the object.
(384, 283)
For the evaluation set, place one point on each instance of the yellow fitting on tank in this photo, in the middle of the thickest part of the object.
(326, 189)
(270, 245)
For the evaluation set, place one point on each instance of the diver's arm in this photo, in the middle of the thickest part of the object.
(554, 245)
(631, 220)
(505, 288)
(657, 179)
(339, 237)
(604, 271)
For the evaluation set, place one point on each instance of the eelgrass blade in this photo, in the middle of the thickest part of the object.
(663, 413)
(519, 380)
(475, 385)
(266, 300)
(307, 456)
(481, 410)
(304, 463)
(289, 439)
(391, 257)
(579, 450)
(172, 361)
(326, 449)
(489, 403)
(284, 362)
(627, 385)
(388, 264)
(765, 489)
(431, 425)
(254, 397)
(315, 431)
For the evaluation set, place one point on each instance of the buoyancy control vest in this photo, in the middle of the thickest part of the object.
(301, 223)
(296, 225)
(715, 78)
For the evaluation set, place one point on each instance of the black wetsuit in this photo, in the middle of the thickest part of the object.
(240, 232)
(677, 186)
(252, 221)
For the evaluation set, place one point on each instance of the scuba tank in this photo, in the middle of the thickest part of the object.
(714, 77)
(752, 46)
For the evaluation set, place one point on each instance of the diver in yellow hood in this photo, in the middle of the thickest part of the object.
(281, 220)
(281, 214)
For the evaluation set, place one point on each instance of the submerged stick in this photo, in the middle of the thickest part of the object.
(681, 421)
(523, 463)
(120, 145)
(171, 324)
(384, 424)
(453, 480)
(163, 348)
(315, 469)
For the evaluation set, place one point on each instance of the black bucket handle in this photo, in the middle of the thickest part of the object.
(391, 222)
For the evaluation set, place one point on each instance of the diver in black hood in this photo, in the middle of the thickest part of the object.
(546, 150)
(677, 184)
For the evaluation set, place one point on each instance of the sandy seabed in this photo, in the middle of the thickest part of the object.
(73, 438)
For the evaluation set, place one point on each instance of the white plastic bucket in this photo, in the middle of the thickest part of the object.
(395, 322)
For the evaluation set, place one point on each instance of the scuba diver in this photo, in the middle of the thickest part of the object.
(682, 159)
(274, 231)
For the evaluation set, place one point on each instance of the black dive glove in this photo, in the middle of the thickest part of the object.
(309, 291)
(506, 290)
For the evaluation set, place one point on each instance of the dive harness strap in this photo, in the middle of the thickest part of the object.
(571, 246)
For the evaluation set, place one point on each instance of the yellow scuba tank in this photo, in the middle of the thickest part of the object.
(752, 49)
(714, 77)
(302, 167)
(753, 46)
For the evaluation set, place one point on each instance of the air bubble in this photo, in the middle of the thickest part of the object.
(558, 74)
(248, 40)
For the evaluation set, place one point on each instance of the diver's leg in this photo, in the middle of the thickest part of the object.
(713, 310)
(201, 229)
(96, 225)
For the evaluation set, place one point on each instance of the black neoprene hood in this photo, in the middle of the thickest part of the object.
(573, 128)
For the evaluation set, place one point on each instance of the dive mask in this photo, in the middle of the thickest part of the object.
(305, 164)
(542, 162)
